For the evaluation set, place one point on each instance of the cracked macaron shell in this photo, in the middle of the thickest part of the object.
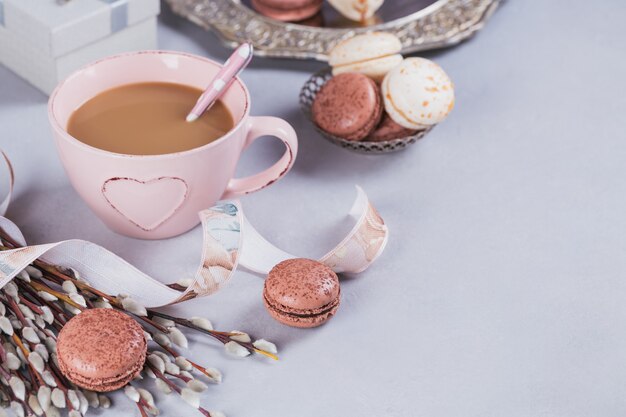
(101, 349)
(301, 292)
(418, 93)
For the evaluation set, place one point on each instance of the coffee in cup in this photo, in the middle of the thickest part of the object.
(147, 119)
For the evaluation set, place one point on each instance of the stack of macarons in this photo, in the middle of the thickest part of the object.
(300, 10)
(377, 95)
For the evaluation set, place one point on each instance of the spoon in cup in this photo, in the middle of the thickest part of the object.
(224, 78)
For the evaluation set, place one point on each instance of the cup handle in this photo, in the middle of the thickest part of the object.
(265, 126)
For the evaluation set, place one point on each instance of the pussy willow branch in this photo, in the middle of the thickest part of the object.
(173, 386)
(175, 354)
(223, 337)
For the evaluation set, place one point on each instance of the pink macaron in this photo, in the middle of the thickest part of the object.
(288, 10)
(348, 106)
(387, 129)
(301, 293)
(101, 349)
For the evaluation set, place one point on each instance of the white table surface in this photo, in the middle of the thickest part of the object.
(502, 291)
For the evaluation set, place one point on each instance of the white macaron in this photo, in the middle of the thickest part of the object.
(357, 10)
(373, 54)
(418, 93)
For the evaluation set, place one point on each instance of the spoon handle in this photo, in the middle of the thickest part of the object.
(224, 78)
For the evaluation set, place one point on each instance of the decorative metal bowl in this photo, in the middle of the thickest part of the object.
(307, 96)
(419, 24)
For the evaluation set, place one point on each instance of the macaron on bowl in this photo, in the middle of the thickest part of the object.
(372, 100)
(373, 54)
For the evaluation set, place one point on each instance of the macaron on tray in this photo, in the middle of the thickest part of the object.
(372, 99)
(308, 11)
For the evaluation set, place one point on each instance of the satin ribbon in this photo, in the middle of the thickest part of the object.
(229, 240)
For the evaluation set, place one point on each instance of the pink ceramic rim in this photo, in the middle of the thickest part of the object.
(55, 123)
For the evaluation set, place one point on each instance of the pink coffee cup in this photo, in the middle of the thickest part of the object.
(159, 196)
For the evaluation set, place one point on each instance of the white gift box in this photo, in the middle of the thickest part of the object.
(43, 41)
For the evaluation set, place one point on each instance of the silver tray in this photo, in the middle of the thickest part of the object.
(307, 96)
(420, 25)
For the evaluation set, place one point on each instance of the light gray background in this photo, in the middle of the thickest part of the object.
(502, 290)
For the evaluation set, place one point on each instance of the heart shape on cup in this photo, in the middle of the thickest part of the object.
(147, 204)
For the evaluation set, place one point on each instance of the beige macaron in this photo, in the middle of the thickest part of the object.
(373, 54)
(357, 10)
(418, 93)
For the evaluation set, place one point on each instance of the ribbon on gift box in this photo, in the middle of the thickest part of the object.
(119, 13)
(229, 240)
